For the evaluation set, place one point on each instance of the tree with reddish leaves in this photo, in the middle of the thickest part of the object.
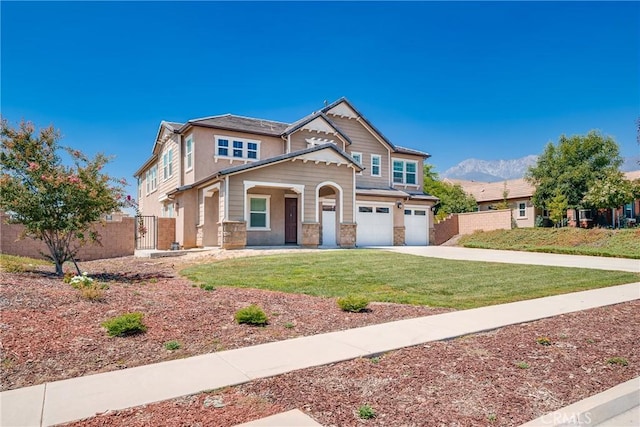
(57, 203)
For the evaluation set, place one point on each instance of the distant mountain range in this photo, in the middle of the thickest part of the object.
(500, 170)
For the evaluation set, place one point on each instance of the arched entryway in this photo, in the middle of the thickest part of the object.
(329, 212)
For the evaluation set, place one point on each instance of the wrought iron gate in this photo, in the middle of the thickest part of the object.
(146, 232)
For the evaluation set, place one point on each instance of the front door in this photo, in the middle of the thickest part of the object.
(290, 220)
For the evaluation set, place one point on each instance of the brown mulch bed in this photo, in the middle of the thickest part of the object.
(48, 332)
(503, 378)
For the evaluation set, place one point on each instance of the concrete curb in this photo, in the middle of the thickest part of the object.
(293, 418)
(595, 409)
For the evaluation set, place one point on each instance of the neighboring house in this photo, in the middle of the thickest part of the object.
(489, 195)
(331, 178)
(519, 193)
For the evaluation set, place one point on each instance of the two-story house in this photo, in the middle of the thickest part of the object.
(331, 178)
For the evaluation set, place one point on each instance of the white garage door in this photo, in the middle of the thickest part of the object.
(416, 225)
(375, 225)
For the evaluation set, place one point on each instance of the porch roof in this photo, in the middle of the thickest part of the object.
(269, 161)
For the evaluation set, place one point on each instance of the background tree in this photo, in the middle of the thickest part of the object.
(571, 167)
(452, 197)
(611, 192)
(557, 208)
(56, 203)
(504, 204)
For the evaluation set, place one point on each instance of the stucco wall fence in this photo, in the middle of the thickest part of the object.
(467, 223)
(117, 240)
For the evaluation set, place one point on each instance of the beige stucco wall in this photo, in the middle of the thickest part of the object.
(527, 221)
(486, 221)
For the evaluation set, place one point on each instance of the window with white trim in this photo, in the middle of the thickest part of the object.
(404, 172)
(237, 148)
(522, 209)
(188, 148)
(358, 158)
(152, 179)
(167, 210)
(376, 161)
(258, 212)
(167, 164)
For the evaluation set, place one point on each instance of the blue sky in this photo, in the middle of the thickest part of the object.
(456, 79)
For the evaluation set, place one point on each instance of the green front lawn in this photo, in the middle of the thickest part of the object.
(405, 279)
(624, 243)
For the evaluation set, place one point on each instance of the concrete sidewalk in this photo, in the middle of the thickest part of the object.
(73, 399)
(518, 257)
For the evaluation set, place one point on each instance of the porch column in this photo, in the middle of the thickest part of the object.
(310, 234)
(347, 238)
(398, 236)
(232, 235)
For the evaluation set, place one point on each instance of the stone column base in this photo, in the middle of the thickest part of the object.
(347, 238)
(310, 234)
(398, 236)
(233, 235)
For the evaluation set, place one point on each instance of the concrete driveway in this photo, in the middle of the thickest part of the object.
(516, 257)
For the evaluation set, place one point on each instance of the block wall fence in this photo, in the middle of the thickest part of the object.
(117, 238)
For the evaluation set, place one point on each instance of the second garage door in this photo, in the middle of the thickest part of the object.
(416, 226)
(375, 225)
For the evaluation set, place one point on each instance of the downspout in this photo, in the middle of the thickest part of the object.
(180, 160)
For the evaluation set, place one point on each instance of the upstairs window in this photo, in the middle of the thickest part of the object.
(167, 164)
(188, 148)
(151, 178)
(404, 172)
(357, 157)
(237, 148)
(376, 161)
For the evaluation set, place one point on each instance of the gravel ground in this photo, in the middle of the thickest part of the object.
(503, 377)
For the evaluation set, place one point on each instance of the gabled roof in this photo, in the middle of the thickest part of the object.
(493, 191)
(239, 123)
(298, 124)
(632, 175)
(268, 161)
(371, 127)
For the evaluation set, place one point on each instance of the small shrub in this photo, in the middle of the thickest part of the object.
(353, 303)
(621, 361)
(89, 289)
(522, 365)
(82, 281)
(92, 293)
(366, 412)
(543, 341)
(68, 276)
(289, 325)
(172, 345)
(11, 266)
(207, 287)
(251, 315)
(127, 324)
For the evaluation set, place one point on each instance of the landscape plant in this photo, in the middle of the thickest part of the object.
(353, 303)
(124, 325)
(57, 203)
(366, 412)
(251, 315)
(172, 345)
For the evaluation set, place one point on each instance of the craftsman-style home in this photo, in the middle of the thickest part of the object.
(331, 178)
